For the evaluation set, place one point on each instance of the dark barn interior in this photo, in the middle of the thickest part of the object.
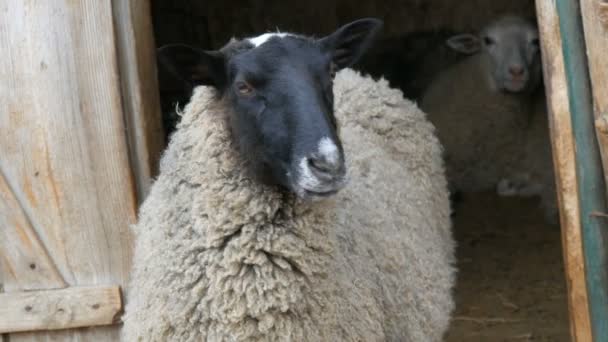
(510, 282)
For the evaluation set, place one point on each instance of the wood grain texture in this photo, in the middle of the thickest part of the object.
(589, 156)
(602, 12)
(563, 146)
(596, 37)
(63, 143)
(71, 307)
(24, 262)
(141, 103)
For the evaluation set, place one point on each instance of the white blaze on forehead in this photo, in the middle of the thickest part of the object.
(259, 40)
(329, 150)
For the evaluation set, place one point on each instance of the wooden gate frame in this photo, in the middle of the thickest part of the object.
(569, 30)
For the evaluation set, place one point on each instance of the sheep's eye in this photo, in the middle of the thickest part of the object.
(332, 70)
(488, 41)
(244, 88)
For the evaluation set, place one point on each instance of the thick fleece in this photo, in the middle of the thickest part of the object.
(533, 175)
(219, 257)
(492, 139)
(480, 128)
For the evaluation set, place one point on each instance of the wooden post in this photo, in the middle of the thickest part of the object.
(564, 16)
(563, 146)
(595, 22)
(140, 100)
(594, 15)
(592, 190)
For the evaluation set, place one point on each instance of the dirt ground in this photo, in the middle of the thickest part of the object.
(511, 285)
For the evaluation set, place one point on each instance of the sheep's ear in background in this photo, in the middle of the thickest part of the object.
(350, 41)
(193, 66)
(465, 43)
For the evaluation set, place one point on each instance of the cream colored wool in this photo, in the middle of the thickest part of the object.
(481, 129)
(490, 135)
(221, 258)
(533, 174)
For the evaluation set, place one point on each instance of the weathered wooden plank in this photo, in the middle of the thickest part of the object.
(71, 307)
(563, 146)
(590, 176)
(86, 334)
(595, 21)
(63, 142)
(24, 262)
(602, 12)
(141, 103)
(590, 155)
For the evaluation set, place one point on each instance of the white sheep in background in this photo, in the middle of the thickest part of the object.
(534, 174)
(229, 245)
(488, 113)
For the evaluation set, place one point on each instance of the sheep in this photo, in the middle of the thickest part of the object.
(277, 218)
(486, 111)
(534, 174)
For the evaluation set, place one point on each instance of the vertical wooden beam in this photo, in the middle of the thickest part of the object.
(140, 97)
(595, 23)
(563, 147)
(592, 190)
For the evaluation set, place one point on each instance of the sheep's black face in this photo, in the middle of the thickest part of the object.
(281, 91)
(280, 88)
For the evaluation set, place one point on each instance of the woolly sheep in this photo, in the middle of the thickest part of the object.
(221, 256)
(487, 113)
(533, 175)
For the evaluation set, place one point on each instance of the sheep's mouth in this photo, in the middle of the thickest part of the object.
(313, 188)
(313, 194)
(321, 194)
(515, 85)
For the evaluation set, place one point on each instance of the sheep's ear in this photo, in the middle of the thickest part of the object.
(349, 42)
(465, 43)
(193, 66)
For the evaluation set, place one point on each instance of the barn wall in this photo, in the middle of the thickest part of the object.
(211, 23)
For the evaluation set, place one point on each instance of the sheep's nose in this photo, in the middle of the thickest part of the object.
(324, 167)
(516, 70)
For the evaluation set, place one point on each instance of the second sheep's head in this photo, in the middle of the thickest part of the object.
(280, 89)
(510, 50)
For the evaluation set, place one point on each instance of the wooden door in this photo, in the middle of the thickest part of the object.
(79, 139)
